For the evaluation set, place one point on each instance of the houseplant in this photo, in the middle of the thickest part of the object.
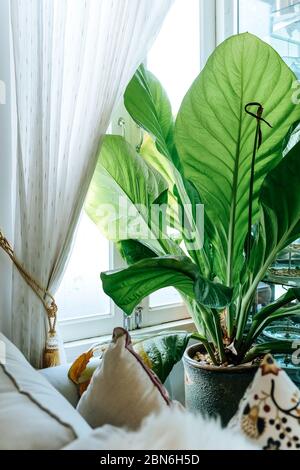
(232, 149)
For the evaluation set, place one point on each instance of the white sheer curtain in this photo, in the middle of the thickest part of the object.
(72, 59)
(5, 167)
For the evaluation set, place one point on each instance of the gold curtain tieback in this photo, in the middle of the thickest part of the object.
(51, 356)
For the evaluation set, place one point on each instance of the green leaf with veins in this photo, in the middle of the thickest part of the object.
(214, 137)
(128, 287)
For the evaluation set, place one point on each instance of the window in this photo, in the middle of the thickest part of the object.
(278, 23)
(175, 57)
(84, 309)
(91, 254)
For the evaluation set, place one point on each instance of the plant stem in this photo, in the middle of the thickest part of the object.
(229, 321)
(207, 327)
(218, 329)
(243, 317)
(211, 321)
(209, 324)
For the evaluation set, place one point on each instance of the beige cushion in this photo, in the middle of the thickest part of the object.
(269, 413)
(123, 390)
(58, 377)
(33, 415)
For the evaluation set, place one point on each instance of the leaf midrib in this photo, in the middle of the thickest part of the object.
(162, 142)
(231, 235)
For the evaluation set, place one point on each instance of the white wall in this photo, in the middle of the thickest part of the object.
(5, 164)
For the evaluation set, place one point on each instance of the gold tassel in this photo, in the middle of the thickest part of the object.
(51, 356)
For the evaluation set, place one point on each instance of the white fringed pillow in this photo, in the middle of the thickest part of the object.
(269, 413)
(123, 390)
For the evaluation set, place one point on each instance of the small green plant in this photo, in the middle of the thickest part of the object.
(229, 149)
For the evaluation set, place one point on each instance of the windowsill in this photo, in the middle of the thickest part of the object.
(74, 348)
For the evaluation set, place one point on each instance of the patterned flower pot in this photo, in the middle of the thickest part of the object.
(214, 391)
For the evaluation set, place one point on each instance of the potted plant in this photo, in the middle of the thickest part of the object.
(233, 148)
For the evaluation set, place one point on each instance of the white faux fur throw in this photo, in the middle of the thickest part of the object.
(173, 429)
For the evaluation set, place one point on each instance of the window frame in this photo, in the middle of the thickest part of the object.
(215, 20)
(97, 325)
(227, 17)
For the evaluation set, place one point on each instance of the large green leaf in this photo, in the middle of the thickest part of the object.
(158, 161)
(272, 347)
(128, 287)
(280, 215)
(215, 136)
(148, 104)
(211, 294)
(197, 228)
(122, 193)
(133, 251)
(184, 204)
(166, 168)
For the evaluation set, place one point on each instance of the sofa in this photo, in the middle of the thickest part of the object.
(38, 410)
(47, 400)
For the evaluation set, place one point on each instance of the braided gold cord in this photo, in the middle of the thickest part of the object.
(41, 293)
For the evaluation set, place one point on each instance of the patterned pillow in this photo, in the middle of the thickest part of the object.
(269, 413)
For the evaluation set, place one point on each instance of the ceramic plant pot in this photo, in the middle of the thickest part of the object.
(214, 391)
